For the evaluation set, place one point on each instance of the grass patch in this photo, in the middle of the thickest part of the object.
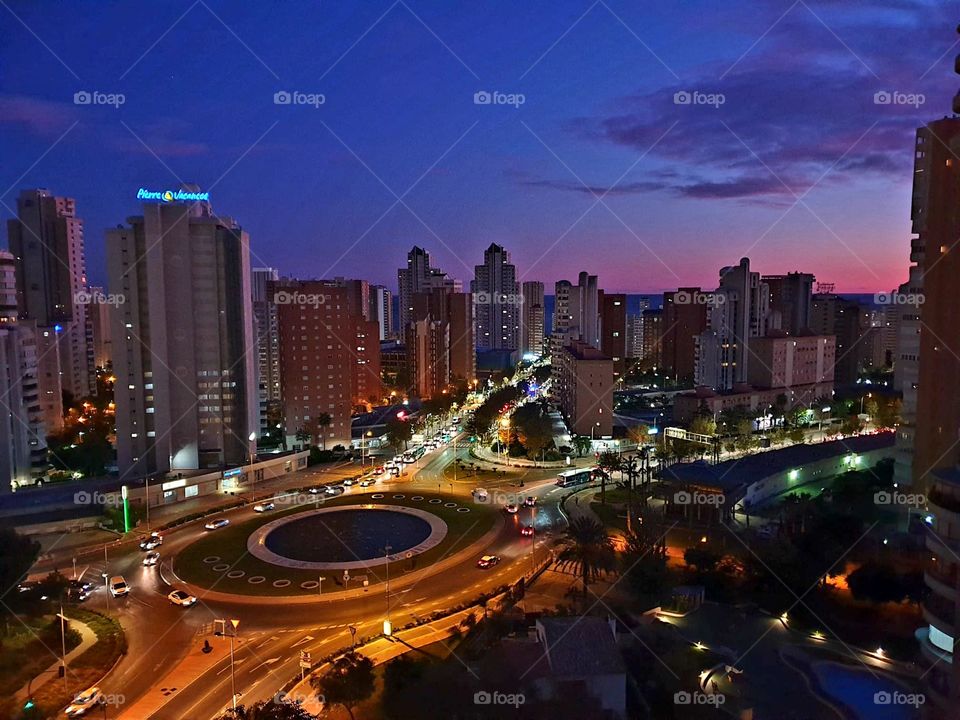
(230, 545)
(82, 672)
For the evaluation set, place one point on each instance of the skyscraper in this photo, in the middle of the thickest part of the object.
(444, 338)
(736, 312)
(46, 238)
(419, 276)
(532, 318)
(613, 331)
(684, 319)
(184, 351)
(381, 310)
(496, 301)
(267, 338)
(791, 296)
(329, 358)
(576, 311)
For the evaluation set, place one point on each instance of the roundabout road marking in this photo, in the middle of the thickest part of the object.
(281, 583)
(256, 579)
(235, 574)
(309, 584)
(210, 559)
(221, 567)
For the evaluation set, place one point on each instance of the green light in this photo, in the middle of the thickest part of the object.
(28, 705)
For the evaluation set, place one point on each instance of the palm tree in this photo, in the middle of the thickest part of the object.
(323, 422)
(267, 710)
(588, 550)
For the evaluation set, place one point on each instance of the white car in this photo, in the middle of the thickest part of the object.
(367, 483)
(348, 481)
(511, 508)
(263, 507)
(333, 489)
(216, 524)
(84, 702)
(118, 586)
(181, 598)
(151, 541)
(151, 558)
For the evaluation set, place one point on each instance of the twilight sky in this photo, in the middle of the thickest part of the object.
(599, 168)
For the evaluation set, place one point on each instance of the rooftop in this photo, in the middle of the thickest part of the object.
(580, 646)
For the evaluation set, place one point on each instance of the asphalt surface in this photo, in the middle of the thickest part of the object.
(271, 636)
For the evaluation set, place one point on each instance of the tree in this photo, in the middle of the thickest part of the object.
(608, 462)
(587, 551)
(302, 435)
(878, 584)
(399, 432)
(323, 422)
(582, 444)
(640, 434)
(645, 558)
(267, 710)
(19, 554)
(703, 559)
(348, 683)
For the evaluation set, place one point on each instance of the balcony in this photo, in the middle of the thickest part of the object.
(940, 612)
(942, 583)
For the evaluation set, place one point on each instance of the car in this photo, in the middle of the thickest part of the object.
(488, 561)
(367, 482)
(333, 489)
(84, 585)
(480, 494)
(118, 586)
(379, 469)
(151, 541)
(455, 419)
(263, 507)
(83, 702)
(530, 501)
(527, 531)
(317, 490)
(511, 508)
(216, 524)
(181, 598)
(348, 481)
(151, 558)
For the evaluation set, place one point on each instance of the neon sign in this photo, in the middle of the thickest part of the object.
(172, 195)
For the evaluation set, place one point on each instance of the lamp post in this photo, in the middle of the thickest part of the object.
(252, 437)
(63, 647)
(233, 681)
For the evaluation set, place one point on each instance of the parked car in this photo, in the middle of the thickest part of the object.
(181, 598)
(83, 702)
(151, 558)
(216, 524)
(118, 586)
(488, 561)
(263, 507)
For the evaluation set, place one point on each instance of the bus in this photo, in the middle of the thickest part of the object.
(578, 476)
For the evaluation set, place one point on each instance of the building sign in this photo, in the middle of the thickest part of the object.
(172, 195)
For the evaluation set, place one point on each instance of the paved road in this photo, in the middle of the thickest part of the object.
(271, 636)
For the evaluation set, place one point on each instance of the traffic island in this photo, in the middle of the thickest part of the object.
(335, 557)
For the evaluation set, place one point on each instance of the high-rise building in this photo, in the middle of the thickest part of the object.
(576, 311)
(583, 378)
(791, 297)
(184, 353)
(47, 239)
(329, 358)
(419, 277)
(23, 445)
(843, 318)
(381, 310)
(651, 345)
(444, 338)
(267, 337)
(496, 301)
(8, 288)
(98, 313)
(684, 319)
(532, 318)
(736, 312)
(906, 375)
(613, 331)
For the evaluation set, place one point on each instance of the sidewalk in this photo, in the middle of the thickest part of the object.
(195, 664)
(88, 640)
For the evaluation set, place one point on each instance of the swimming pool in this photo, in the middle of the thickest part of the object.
(871, 697)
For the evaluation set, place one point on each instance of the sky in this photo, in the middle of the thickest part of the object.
(648, 143)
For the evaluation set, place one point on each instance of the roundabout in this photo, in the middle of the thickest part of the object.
(346, 538)
(331, 546)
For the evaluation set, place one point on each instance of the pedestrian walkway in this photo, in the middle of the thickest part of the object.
(195, 664)
(87, 641)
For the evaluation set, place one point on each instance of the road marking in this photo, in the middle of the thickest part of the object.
(267, 641)
(271, 661)
(301, 641)
(238, 662)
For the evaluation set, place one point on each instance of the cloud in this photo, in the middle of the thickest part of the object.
(42, 117)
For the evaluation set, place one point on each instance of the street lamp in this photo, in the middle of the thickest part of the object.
(233, 682)
(252, 437)
(386, 552)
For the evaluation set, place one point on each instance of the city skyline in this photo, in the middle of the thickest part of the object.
(615, 163)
